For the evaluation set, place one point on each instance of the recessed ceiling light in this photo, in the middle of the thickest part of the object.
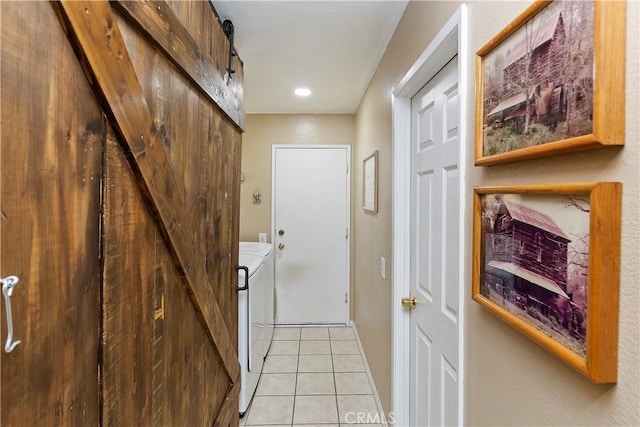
(302, 91)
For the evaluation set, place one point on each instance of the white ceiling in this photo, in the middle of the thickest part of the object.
(331, 47)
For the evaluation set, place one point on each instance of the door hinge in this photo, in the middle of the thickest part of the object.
(346, 233)
(347, 168)
(345, 298)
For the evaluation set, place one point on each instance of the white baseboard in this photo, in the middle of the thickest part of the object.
(381, 411)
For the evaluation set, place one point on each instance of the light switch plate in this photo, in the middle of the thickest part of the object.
(262, 237)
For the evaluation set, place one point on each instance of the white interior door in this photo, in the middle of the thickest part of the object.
(435, 225)
(311, 234)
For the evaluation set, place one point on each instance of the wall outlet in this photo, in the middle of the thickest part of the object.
(262, 237)
(383, 268)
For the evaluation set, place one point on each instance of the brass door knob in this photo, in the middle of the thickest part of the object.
(280, 246)
(409, 303)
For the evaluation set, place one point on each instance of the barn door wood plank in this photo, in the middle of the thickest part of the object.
(50, 169)
(149, 321)
(229, 406)
(96, 37)
(164, 29)
(127, 282)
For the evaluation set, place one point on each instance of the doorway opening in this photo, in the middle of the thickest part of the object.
(311, 233)
(450, 41)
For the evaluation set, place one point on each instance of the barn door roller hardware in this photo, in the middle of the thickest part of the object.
(227, 27)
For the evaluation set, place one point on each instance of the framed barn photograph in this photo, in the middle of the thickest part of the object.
(546, 260)
(552, 82)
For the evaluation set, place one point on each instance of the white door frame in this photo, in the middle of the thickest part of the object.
(274, 147)
(451, 40)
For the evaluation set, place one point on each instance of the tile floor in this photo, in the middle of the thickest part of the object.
(313, 377)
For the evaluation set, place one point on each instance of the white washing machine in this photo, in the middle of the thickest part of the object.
(250, 342)
(256, 316)
(265, 250)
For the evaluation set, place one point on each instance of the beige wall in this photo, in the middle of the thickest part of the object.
(508, 379)
(372, 233)
(264, 130)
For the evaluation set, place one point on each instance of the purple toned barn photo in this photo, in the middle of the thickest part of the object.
(538, 84)
(542, 56)
(526, 268)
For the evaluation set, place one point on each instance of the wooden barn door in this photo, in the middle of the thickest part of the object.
(50, 165)
(120, 216)
(170, 219)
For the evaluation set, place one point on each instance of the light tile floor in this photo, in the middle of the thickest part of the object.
(313, 377)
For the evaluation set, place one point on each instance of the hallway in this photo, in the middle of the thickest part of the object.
(138, 153)
(314, 376)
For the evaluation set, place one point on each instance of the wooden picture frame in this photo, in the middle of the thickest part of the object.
(546, 260)
(370, 183)
(547, 85)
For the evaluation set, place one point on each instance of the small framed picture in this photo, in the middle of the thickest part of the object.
(370, 183)
(546, 261)
(552, 82)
